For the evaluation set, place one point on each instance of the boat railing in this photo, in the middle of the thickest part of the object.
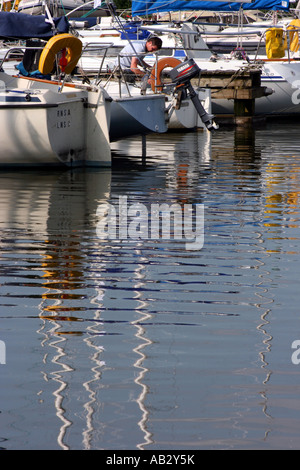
(286, 44)
(288, 30)
(100, 50)
(121, 75)
(13, 50)
(112, 70)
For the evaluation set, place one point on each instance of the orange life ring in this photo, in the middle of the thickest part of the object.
(61, 42)
(155, 77)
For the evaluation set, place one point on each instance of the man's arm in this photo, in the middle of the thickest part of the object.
(134, 66)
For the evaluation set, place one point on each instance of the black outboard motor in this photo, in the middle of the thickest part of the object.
(181, 76)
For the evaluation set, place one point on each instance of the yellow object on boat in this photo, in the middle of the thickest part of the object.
(275, 43)
(65, 43)
(293, 31)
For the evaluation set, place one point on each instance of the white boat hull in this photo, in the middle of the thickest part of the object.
(39, 134)
(41, 126)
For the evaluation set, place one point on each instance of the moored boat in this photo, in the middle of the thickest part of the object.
(45, 124)
(50, 122)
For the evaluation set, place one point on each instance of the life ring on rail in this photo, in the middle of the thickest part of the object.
(155, 77)
(71, 48)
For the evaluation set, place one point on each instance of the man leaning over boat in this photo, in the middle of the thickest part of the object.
(132, 56)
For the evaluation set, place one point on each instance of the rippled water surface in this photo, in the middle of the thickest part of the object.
(144, 344)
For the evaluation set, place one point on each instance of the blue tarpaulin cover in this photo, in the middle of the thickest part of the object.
(21, 26)
(131, 31)
(143, 7)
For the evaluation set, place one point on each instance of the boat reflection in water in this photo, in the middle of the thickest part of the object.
(55, 209)
(65, 284)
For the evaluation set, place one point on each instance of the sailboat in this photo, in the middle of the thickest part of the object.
(49, 122)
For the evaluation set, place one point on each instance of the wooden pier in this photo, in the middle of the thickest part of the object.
(243, 86)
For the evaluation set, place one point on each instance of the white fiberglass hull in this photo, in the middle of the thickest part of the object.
(42, 126)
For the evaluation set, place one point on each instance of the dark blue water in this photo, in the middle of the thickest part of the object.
(141, 343)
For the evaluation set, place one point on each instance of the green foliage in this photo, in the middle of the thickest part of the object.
(123, 4)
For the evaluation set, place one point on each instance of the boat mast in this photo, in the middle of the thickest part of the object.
(112, 9)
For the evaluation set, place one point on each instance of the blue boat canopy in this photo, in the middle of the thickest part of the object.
(144, 7)
(131, 31)
(21, 26)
